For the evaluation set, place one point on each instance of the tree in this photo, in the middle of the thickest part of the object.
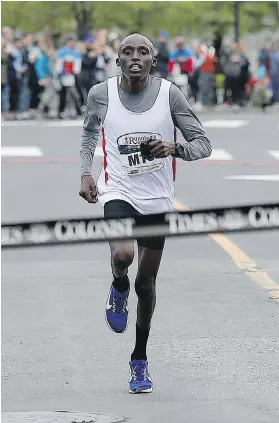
(29, 16)
(180, 18)
(83, 12)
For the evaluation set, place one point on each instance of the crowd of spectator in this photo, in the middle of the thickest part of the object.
(39, 81)
(206, 68)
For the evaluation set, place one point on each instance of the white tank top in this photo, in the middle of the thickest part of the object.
(146, 185)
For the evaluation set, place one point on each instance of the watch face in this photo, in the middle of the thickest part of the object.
(178, 150)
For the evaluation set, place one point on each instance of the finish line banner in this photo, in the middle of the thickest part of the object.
(181, 223)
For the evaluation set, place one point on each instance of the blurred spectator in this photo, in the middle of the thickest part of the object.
(224, 54)
(181, 56)
(235, 69)
(264, 56)
(198, 59)
(36, 78)
(162, 55)
(45, 80)
(102, 61)
(25, 89)
(181, 65)
(7, 35)
(81, 48)
(112, 68)
(68, 66)
(88, 66)
(35, 88)
(15, 70)
(6, 50)
(262, 95)
(207, 73)
(244, 78)
(274, 71)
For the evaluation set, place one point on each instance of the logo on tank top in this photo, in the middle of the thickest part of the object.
(130, 156)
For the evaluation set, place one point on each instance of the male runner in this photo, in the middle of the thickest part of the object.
(134, 108)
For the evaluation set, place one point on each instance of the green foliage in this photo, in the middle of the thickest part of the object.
(33, 16)
(252, 14)
(183, 17)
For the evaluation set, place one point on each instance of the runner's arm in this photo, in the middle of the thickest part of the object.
(195, 145)
(95, 108)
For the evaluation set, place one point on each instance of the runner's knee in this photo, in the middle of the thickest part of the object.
(122, 258)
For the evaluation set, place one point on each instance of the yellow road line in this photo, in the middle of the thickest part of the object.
(243, 261)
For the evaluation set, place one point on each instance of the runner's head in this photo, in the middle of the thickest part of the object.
(136, 56)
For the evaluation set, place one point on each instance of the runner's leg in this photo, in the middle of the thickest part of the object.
(150, 254)
(122, 252)
(122, 255)
(145, 286)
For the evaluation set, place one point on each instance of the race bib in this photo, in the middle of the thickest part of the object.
(131, 159)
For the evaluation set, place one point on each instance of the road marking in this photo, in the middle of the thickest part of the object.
(64, 123)
(49, 124)
(222, 123)
(274, 154)
(21, 152)
(19, 123)
(243, 262)
(219, 155)
(230, 124)
(254, 177)
(248, 266)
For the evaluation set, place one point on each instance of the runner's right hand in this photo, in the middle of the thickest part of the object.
(88, 189)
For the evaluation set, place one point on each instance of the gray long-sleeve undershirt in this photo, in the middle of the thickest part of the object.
(194, 146)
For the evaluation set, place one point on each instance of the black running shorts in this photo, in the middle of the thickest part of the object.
(119, 209)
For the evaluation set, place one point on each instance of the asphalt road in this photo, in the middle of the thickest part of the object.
(214, 343)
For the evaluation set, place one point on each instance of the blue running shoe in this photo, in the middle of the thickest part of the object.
(117, 310)
(140, 381)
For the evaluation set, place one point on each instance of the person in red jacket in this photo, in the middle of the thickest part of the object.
(182, 56)
(181, 65)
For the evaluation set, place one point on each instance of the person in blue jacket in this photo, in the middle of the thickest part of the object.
(181, 55)
(42, 67)
(45, 80)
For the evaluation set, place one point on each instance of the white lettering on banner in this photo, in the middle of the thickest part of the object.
(67, 231)
(257, 217)
(37, 233)
(194, 223)
(70, 231)
(11, 235)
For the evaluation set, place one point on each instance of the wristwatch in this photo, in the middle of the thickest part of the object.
(179, 150)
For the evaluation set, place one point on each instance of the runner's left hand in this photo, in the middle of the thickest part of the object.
(160, 149)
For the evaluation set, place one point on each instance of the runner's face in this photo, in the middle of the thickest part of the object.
(135, 58)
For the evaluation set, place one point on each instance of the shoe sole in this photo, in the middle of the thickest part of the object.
(108, 324)
(141, 391)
